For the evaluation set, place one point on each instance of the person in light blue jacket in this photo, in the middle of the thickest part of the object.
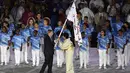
(26, 34)
(4, 43)
(120, 41)
(83, 51)
(103, 42)
(35, 44)
(17, 42)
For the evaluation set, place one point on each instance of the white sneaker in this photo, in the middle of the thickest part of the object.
(37, 65)
(16, 64)
(2, 64)
(26, 62)
(118, 67)
(105, 67)
(123, 67)
(33, 65)
(80, 67)
(60, 66)
(85, 67)
(100, 67)
(5, 63)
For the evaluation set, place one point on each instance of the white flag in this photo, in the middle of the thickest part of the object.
(72, 16)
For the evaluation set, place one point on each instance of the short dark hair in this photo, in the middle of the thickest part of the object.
(49, 30)
(108, 21)
(120, 30)
(79, 13)
(82, 33)
(66, 35)
(35, 31)
(86, 17)
(103, 31)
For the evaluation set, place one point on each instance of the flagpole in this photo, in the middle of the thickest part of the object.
(62, 29)
(61, 32)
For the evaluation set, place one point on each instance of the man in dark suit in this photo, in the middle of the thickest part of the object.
(48, 52)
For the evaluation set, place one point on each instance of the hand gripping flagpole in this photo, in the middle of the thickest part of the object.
(60, 33)
(62, 29)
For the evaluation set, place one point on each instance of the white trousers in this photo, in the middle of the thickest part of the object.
(4, 54)
(102, 58)
(8, 54)
(120, 58)
(17, 56)
(108, 55)
(24, 53)
(127, 54)
(35, 57)
(83, 58)
(29, 52)
(60, 57)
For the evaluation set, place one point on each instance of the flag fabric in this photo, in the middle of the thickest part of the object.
(72, 16)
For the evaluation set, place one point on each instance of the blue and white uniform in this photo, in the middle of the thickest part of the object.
(46, 28)
(83, 52)
(31, 29)
(17, 41)
(11, 29)
(102, 46)
(116, 27)
(59, 52)
(35, 44)
(57, 29)
(120, 42)
(24, 53)
(4, 40)
(81, 25)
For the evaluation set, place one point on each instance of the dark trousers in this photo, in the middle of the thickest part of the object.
(48, 62)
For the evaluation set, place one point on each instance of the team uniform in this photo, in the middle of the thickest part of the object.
(35, 44)
(88, 33)
(46, 28)
(102, 48)
(116, 27)
(120, 42)
(24, 53)
(10, 32)
(59, 52)
(83, 52)
(17, 41)
(4, 41)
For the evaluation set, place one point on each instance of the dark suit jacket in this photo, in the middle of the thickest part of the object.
(48, 46)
